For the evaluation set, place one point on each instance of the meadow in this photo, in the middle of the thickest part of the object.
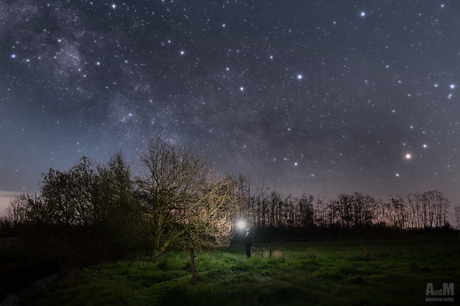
(346, 272)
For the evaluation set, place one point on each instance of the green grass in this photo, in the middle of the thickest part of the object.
(347, 272)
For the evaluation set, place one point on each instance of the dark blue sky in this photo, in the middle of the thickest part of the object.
(322, 97)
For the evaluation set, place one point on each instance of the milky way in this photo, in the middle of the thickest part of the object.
(321, 97)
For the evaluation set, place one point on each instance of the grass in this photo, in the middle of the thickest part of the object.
(347, 272)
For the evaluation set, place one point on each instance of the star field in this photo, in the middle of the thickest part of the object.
(322, 97)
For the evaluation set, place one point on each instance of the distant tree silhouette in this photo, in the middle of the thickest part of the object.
(457, 216)
(288, 216)
(99, 211)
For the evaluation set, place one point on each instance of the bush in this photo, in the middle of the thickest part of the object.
(85, 215)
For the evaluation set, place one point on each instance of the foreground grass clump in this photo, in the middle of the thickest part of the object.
(347, 272)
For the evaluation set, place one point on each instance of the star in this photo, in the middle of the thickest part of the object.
(339, 98)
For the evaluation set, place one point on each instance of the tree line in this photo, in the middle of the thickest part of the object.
(272, 213)
(173, 198)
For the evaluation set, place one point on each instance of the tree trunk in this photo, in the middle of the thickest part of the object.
(193, 266)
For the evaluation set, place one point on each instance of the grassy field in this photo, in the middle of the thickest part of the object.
(345, 272)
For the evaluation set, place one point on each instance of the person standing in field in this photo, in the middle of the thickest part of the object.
(247, 242)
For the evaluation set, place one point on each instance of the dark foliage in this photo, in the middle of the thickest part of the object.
(97, 212)
(275, 216)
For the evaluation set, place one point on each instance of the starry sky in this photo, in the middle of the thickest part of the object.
(322, 97)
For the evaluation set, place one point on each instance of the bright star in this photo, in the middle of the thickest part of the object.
(363, 14)
(299, 76)
(408, 156)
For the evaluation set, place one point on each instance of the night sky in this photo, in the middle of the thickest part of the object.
(321, 97)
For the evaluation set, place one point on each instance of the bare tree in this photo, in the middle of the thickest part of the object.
(306, 210)
(187, 204)
(275, 199)
(457, 216)
(19, 209)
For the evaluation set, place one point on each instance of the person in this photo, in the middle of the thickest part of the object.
(247, 242)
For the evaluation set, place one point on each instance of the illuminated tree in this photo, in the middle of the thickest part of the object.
(187, 204)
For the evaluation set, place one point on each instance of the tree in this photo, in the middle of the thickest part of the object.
(118, 216)
(83, 215)
(306, 210)
(435, 206)
(186, 203)
(19, 208)
(306, 214)
(457, 216)
(345, 210)
(274, 203)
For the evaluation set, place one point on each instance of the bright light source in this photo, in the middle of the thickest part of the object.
(241, 224)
